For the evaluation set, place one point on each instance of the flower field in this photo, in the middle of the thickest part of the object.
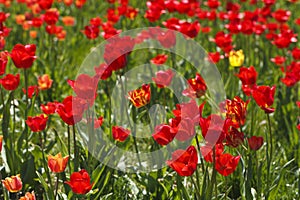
(157, 99)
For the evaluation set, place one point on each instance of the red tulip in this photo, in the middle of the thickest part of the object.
(49, 108)
(163, 134)
(10, 81)
(159, 59)
(38, 123)
(255, 142)
(296, 53)
(1, 140)
(119, 133)
(281, 15)
(3, 62)
(31, 90)
(23, 56)
(45, 4)
(91, 32)
(103, 71)
(96, 21)
(167, 39)
(184, 162)
(248, 77)
(57, 163)
(197, 87)
(85, 87)
(214, 57)
(98, 122)
(264, 97)
(80, 182)
(71, 110)
(207, 152)
(224, 41)
(163, 78)
(140, 97)
(51, 16)
(278, 60)
(226, 164)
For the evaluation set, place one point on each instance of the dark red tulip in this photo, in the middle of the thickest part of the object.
(91, 32)
(184, 162)
(226, 163)
(264, 97)
(255, 142)
(80, 182)
(3, 62)
(281, 15)
(10, 81)
(234, 138)
(296, 53)
(23, 56)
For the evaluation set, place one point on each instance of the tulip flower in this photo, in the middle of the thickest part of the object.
(163, 78)
(236, 58)
(57, 163)
(184, 162)
(197, 87)
(10, 81)
(3, 62)
(1, 140)
(13, 184)
(236, 110)
(255, 142)
(140, 97)
(44, 82)
(38, 123)
(264, 97)
(119, 133)
(28, 196)
(226, 164)
(163, 134)
(49, 108)
(80, 182)
(23, 56)
(159, 59)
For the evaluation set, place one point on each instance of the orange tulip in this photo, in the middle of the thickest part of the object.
(57, 163)
(44, 82)
(28, 196)
(13, 183)
(68, 21)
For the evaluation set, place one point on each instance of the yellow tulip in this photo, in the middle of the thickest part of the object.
(236, 58)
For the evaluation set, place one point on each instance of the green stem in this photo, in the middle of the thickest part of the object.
(26, 107)
(270, 154)
(75, 150)
(69, 146)
(197, 188)
(44, 158)
(56, 184)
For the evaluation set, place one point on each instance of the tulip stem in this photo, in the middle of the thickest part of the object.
(56, 184)
(44, 158)
(69, 146)
(26, 107)
(269, 155)
(201, 159)
(75, 150)
(197, 188)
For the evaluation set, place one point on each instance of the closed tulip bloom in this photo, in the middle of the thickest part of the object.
(57, 164)
(119, 133)
(80, 182)
(10, 81)
(236, 58)
(264, 97)
(13, 184)
(163, 78)
(44, 82)
(38, 123)
(255, 142)
(23, 56)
